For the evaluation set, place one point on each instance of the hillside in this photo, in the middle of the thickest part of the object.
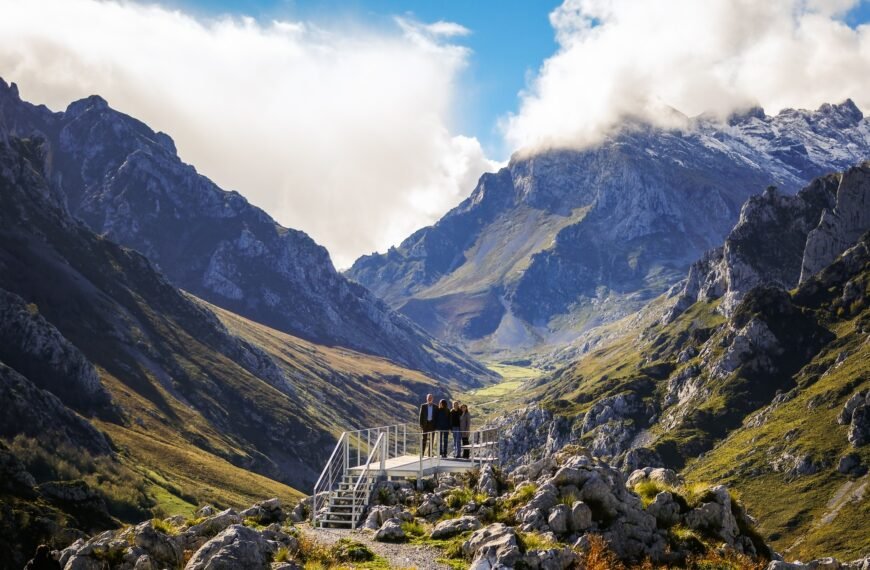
(124, 396)
(128, 184)
(744, 378)
(561, 241)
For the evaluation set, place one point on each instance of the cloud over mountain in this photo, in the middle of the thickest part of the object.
(628, 58)
(342, 132)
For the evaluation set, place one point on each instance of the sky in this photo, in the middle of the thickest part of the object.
(360, 122)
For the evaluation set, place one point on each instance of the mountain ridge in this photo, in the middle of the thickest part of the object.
(617, 224)
(127, 182)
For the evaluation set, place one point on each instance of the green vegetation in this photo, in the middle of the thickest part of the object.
(414, 529)
(345, 553)
(529, 541)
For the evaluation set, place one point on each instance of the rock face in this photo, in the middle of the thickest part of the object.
(601, 230)
(782, 240)
(127, 183)
(34, 347)
(856, 415)
(73, 302)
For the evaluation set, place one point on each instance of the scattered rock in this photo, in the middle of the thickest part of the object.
(236, 547)
(452, 527)
(494, 547)
(390, 531)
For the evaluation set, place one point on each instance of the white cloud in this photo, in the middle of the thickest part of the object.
(343, 133)
(638, 58)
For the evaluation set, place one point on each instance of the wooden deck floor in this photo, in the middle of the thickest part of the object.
(411, 466)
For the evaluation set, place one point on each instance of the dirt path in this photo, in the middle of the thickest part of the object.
(398, 555)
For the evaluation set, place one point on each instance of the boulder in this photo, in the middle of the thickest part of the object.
(715, 517)
(390, 531)
(666, 477)
(665, 510)
(160, 548)
(493, 547)
(379, 514)
(452, 527)
(236, 547)
(581, 516)
(432, 506)
(850, 464)
(559, 518)
(859, 427)
(488, 483)
(216, 523)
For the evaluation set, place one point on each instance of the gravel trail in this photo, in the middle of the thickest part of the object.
(398, 555)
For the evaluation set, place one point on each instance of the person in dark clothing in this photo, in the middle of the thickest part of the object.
(442, 424)
(43, 560)
(428, 414)
(455, 414)
(465, 429)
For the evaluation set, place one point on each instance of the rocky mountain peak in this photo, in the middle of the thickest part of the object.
(91, 103)
(126, 182)
(843, 115)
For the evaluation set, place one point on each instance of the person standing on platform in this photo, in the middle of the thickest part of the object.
(442, 425)
(465, 429)
(428, 414)
(455, 427)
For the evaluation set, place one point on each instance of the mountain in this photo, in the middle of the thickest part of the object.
(127, 183)
(560, 241)
(125, 397)
(753, 372)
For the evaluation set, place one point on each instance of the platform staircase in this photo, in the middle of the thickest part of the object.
(362, 458)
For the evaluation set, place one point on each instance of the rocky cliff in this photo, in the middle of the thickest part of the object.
(754, 378)
(127, 183)
(562, 240)
(782, 240)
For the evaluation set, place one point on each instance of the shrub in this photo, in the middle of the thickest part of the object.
(347, 550)
(413, 529)
(533, 541)
(163, 526)
(283, 555)
(598, 556)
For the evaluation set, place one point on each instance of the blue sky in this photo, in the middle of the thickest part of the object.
(509, 40)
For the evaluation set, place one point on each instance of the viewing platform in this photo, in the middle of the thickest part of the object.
(363, 457)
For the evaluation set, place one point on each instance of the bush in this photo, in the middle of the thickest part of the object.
(414, 529)
(163, 526)
(347, 550)
(533, 541)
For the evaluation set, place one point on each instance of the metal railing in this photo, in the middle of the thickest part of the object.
(356, 450)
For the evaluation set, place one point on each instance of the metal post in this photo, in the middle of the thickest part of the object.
(404, 439)
(396, 443)
(358, 461)
(346, 456)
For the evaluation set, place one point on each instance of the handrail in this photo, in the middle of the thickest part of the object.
(328, 472)
(363, 476)
(331, 458)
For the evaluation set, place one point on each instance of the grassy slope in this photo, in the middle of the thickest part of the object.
(814, 515)
(802, 515)
(342, 388)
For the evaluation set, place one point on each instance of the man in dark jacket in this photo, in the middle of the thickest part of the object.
(428, 414)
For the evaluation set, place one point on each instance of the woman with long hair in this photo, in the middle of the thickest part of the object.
(465, 428)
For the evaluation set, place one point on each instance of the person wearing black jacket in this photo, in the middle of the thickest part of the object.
(442, 424)
(428, 414)
(455, 424)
